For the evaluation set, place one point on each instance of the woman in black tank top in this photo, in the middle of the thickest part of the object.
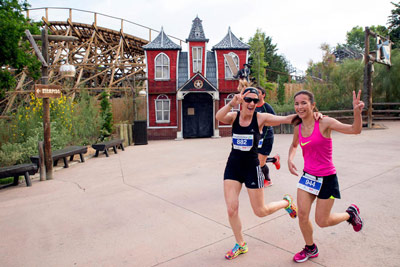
(243, 164)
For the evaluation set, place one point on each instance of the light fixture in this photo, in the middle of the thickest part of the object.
(67, 70)
(142, 93)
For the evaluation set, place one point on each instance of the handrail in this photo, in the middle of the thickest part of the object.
(97, 13)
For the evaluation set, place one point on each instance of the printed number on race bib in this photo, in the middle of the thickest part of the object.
(310, 184)
(242, 142)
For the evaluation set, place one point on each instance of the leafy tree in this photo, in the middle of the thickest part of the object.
(106, 115)
(14, 52)
(355, 38)
(386, 81)
(277, 64)
(394, 25)
(257, 61)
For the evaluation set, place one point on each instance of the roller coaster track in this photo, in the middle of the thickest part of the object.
(103, 57)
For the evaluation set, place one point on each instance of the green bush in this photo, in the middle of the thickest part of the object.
(72, 123)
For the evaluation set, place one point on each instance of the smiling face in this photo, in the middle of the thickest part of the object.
(251, 106)
(303, 105)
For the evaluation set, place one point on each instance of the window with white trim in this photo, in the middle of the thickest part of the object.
(163, 104)
(228, 99)
(161, 67)
(228, 72)
(197, 54)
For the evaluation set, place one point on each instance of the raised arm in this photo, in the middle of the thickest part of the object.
(356, 127)
(224, 115)
(268, 119)
(292, 151)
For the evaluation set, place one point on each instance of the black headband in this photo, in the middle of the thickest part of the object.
(251, 90)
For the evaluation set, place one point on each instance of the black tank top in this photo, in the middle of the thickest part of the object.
(245, 140)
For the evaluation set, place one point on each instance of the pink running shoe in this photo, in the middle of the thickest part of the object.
(355, 218)
(305, 254)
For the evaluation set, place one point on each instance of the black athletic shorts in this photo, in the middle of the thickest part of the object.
(266, 147)
(248, 173)
(330, 187)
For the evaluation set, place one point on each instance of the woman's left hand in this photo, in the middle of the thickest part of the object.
(357, 103)
(318, 116)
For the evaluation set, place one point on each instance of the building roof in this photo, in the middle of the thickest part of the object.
(183, 72)
(230, 41)
(197, 32)
(162, 42)
(211, 69)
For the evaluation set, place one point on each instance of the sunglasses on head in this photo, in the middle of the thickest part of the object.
(249, 99)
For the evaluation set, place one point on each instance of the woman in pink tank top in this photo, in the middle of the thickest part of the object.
(319, 180)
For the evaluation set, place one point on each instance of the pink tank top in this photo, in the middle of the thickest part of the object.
(317, 153)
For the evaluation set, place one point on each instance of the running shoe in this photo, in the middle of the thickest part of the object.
(291, 208)
(305, 254)
(236, 251)
(277, 163)
(268, 183)
(355, 218)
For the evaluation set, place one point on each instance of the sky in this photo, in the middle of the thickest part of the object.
(297, 27)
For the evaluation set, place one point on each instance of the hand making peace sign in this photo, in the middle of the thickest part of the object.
(357, 103)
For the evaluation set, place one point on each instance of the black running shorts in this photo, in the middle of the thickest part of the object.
(330, 187)
(248, 173)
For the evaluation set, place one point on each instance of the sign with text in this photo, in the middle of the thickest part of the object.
(47, 91)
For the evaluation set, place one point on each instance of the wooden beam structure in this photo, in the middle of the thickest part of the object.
(103, 58)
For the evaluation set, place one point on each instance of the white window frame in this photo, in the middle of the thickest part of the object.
(199, 61)
(165, 108)
(228, 99)
(228, 72)
(164, 76)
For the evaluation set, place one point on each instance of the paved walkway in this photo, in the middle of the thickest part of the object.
(162, 205)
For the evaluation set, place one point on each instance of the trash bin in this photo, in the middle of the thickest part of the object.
(140, 132)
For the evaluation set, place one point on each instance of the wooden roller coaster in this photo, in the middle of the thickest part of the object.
(103, 58)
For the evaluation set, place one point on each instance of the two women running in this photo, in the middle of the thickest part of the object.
(318, 181)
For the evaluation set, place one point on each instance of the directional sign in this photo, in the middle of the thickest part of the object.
(47, 91)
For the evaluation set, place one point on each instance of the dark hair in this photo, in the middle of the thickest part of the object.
(261, 89)
(296, 120)
(251, 90)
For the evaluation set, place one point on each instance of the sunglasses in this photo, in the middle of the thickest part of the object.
(249, 99)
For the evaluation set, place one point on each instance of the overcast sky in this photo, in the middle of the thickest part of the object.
(297, 27)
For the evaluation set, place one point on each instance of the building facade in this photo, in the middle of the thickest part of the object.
(186, 88)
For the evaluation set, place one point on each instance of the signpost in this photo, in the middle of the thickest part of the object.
(382, 56)
(46, 91)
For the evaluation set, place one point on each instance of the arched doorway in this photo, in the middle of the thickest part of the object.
(197, 115)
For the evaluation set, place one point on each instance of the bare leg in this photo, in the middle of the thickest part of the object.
(323, 215)
(258, 205)
(304, 202)
(263, 159)
(231, 192)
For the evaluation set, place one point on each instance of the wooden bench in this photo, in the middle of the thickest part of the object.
(104, 146)
(18, 170)
(70, 151)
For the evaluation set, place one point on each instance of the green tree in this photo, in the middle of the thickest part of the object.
(394, 25)
(355, 38)
(106, 115)
(386, 81)
(14, 52)
(257, 60)
(277, 64)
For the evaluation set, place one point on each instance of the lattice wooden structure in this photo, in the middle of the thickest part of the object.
(103, 58)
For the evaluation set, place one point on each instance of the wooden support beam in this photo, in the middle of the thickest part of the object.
(36, 48)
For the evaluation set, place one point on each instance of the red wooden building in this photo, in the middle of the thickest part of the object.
(186, 89)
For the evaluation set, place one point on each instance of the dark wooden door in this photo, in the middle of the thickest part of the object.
(197, 115)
